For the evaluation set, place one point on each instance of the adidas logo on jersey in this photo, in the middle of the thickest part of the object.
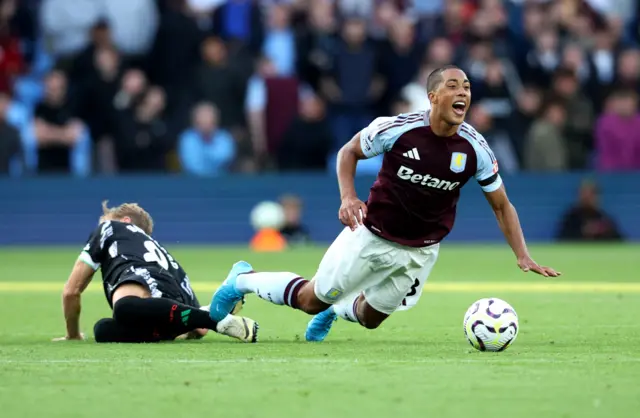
(426, 180)
(412, 154)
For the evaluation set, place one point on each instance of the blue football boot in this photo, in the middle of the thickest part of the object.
(320, 325)
(227, 297)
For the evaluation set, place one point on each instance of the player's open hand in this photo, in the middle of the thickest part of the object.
(527, 264)
(79, 337)
(352, 212)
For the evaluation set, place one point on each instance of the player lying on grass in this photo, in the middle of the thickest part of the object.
(149, 292)
(380, 262)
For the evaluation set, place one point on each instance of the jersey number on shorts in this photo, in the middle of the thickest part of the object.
(413, 291)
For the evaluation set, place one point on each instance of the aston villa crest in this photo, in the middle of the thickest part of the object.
(458, 162)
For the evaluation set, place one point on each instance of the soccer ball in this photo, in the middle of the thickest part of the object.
(267, 215)
(490, 325)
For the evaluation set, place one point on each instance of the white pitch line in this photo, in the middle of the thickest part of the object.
(484, 360)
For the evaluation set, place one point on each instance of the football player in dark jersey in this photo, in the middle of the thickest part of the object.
(148, 290)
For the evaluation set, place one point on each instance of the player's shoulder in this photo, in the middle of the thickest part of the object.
(116, 228)
(468, 132)
(475, 138)
(381, 134)
(396, 125)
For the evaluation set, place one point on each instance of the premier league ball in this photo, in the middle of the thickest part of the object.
(491, 325)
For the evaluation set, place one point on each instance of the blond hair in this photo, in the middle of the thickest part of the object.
(139, 217)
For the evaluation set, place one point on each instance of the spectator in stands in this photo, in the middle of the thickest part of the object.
(603, 58)
(66, 27)
(240, 22)
(360, 8)
(488, 23)
(546, 147)
(353, 83)
(577, 25)
(415, 93)
(579, 117)
(427, 13)
(475, 59)
(618, 133)
(400, 59)
(132, 86)
(12, 62)
(573, 51)
(95, 100)
(84, 65)
(217, 81)
(96, 97)
(317, 43)
(525, 25)
(543, 60)
(23, 20)
(602, 61)
(527, 108)
(451, 24)
(205, 149)
(133, 26)
(378, 19)
(574, 58)
(141, 139)
(439, 52)
(271, 105)
(174, 52)
(10, 145)
(280, 41)
(293, 230)
(586, 221)
(497, 93)
(307, 143)
(57, 130)
(628, 75)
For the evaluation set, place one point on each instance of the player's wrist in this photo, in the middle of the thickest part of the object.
(348, 195)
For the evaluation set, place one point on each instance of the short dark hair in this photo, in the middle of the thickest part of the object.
(435, 78)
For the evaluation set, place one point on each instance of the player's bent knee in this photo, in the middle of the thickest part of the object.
(125, 308)
(370, 324)
(369, 317)
(103, 330)
(308, 302)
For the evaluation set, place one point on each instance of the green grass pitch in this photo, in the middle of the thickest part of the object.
(577, 354)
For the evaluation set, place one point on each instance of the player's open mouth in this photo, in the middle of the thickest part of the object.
(459, 107)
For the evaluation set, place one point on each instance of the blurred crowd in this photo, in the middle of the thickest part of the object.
(213, 86)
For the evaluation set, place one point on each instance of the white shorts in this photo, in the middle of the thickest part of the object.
(390, 275)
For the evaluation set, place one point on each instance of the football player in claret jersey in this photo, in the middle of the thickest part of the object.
(381, 260)
(147, 289)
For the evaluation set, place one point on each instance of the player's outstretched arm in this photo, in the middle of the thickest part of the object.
(352, 210)
(78, 281)
(507, 217)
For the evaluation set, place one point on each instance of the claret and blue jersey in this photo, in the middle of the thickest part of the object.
(413, 200)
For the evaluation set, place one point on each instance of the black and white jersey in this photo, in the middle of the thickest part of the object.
(125, 253)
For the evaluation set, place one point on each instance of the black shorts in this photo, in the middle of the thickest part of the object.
(158, 284)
